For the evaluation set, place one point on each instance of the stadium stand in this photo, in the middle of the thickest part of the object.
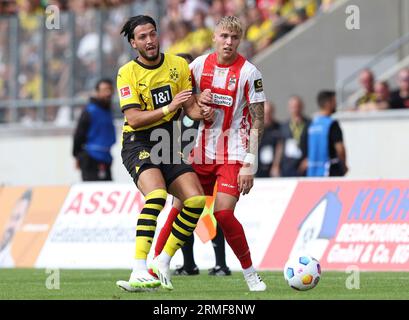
(44, 69)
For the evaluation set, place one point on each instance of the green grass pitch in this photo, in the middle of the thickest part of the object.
(100, 284)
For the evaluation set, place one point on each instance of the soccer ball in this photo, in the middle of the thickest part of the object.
(302, 272)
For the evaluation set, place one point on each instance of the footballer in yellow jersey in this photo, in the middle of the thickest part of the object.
(153, 89)
(149, 88)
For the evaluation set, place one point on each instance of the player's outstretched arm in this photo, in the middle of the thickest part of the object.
(138, 118)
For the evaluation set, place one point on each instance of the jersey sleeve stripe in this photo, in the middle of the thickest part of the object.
(246, 91)
(130, 106)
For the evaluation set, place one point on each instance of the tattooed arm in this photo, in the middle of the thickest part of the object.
(257, 126)
(246, 175)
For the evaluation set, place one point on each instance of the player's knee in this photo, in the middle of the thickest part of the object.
(226, 220)
(157, 194)
(223, 215)
(177, 204)
(195, 202)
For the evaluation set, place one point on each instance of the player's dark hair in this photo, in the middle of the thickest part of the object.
(133, 22)
(324, 96)
(188, 57)
(104, 80)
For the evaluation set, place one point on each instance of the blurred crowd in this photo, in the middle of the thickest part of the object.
(378, 95)
(185, 26)
(188, 24)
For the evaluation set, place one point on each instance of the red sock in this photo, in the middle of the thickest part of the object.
(165, 232)
(235, 237)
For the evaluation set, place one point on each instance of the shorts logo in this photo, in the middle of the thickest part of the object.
(228, 185)
(258, 85)
(125, 92)
(143, 155)
(222, 100)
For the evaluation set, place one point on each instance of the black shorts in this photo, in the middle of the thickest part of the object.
(137, 159)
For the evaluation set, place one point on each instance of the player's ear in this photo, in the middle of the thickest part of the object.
(133, 43)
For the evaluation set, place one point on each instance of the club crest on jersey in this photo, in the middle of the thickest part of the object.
(232, 83)
(222, 100)
(258, 85)
(143, 155)
(125, 92)
(174, 75)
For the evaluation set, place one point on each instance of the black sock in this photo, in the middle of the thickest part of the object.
(187, 250)
(218, 246)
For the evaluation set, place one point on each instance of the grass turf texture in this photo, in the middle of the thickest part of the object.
(100, 284)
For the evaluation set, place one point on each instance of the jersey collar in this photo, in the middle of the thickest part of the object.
(162, 58)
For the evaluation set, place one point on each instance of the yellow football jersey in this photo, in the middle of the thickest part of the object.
(151, 87)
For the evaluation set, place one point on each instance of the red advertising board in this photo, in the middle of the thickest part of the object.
(344, 223)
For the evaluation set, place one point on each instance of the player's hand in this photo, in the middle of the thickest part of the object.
(179, 99)
(77, 164)
(208, 113)
(205, 98)
(245, 180)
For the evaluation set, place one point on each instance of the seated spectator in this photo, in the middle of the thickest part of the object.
(188, 8)
(326, 5)
(29, 13)
(261, 31)
(308, 6)
(382, 96)
(400, 98)
(8, 7)
(184, 39)
(366, 80)
(288, 14)
(203, 36)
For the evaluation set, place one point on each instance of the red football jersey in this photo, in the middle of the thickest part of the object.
(233, 88)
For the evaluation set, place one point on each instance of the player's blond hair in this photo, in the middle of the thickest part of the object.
(230, 23)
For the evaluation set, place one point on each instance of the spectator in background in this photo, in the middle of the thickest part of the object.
(366, 80)
(382, 96)
(184, 39)
(95, 135)
(268, 143)
(288, 14)
(289, 155)
(203, 36)
(188, 8)
(326, 5)
(323, 145)
(216, 12)
(8, 7)
(29, 14)
(400, 98)
(261, 31)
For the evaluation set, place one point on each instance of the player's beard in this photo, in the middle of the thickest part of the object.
(150, 58)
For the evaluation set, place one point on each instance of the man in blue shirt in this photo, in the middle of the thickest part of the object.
(95, 135)
(323, 146)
